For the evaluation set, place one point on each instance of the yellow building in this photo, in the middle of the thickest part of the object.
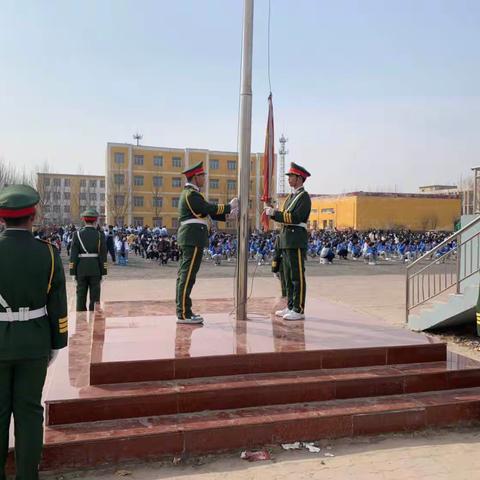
(144, 183)
(365, 211)
(64, 196)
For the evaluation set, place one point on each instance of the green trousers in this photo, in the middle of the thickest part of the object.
(21, 385)
(190, 261)
(283, 281)
(293, 260)
(84, 286)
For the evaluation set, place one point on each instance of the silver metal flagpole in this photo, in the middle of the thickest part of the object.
(245, 139)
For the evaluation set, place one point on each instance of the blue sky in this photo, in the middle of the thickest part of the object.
(371, 94)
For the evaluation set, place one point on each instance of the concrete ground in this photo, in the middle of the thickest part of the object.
(376, 290)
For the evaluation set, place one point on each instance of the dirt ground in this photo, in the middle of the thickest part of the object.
(377, 290)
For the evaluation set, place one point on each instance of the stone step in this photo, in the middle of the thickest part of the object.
(102, 373)
(130, 400)
(93, 443)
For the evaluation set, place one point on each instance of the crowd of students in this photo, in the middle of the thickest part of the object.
(157, 245)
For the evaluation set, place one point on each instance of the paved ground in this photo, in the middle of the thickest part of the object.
(376, 290)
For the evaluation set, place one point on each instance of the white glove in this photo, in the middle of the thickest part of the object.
(269, 211)
(53, 356)
(74, 278)
(233, 213)
(234, 203)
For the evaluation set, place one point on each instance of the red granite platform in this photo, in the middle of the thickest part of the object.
(134, 385)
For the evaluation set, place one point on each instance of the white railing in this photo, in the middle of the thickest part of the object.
(434, 273)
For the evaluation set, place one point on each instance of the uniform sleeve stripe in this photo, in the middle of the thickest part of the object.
(63, 330)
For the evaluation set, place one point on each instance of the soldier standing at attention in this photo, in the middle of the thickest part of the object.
(294, 241)
(192, 237)
(33, 326)
(88, 261)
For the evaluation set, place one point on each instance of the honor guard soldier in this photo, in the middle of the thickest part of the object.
(192, 237)
(33, 326)
(88, 261)
(294, 241)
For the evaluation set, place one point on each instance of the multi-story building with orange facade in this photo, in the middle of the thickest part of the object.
(63, 196)
(144, 183)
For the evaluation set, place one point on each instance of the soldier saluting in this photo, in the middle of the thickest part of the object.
(294, 241)
(88, 261)
(33, 326)
(192, 237)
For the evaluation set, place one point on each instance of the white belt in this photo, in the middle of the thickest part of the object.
(303, 225)
(23, 314)
(88, 255)
(195, 220)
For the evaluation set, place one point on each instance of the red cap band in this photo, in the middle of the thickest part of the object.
(297, 172)
(10, 213)
(197, 171)
(90, 219)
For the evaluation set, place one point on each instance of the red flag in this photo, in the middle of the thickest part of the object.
(268, 164)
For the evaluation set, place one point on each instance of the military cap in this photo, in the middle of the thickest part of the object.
(18, 201)
(90, 214)
(195, 170)
(296, 169)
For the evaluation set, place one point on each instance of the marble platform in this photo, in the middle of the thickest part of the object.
(135, 385)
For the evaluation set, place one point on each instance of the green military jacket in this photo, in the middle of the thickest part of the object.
(193, 205)
(31, 275)
(88, 241)
(295, 211)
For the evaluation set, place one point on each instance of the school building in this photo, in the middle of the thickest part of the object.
(386, 211)
(144, 183)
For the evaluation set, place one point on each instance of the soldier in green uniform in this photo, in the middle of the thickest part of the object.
(294, 241)
(88, 261)
(33, 326)
(192, 237)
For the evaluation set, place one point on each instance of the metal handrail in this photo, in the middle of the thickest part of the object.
(445, 242)
(424, 272)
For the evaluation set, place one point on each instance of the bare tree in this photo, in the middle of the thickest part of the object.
(118, 194)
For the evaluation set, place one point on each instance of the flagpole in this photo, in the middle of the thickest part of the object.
(244, 162)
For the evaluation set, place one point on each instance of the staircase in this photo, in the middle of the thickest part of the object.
(332, 393)
(442, 288)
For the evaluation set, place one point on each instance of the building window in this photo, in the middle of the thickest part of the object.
(119, 178)
(138, 159)
(175, 201)
(66, 182)
(157, 181)
(56, 195)
(83, 196)
(138, 201)
(138, 180)
(93, 197)
(214, 200)
(327, 210)
(56, 208)
(46, 182)
(66, 195)
(214, 164)
(158, 161)
(119, 200)
(176, 182)
(213, 183)
(232, 164)
(250, 203)
(119, 157)
(46, 208)
(57, 182)
(93, 183)
(102, 197)
(83, 183)
(119, 221)
(102, 183)
(157, 201)
(138, 221)
(157, 221)
(231, 184)
(174, 222)
(102, 209)
(46, 196)
(66, 208)
(176, 162)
